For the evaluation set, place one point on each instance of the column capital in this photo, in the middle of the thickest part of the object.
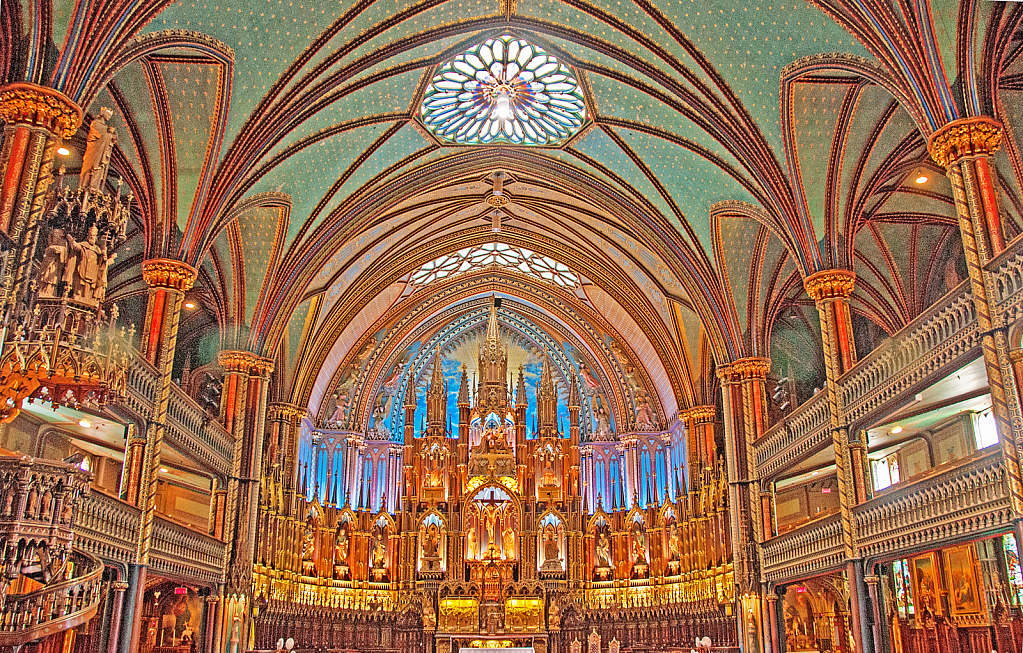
(830, 284)
(245, 362)
(284, 412)
(168, 273)
(745, 369)
(40, 107)
(119, 585)
(979, 136)
(698, 414)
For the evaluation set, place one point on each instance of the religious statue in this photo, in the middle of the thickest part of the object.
(308, 549)
(341, 548)
(548, 478)
(431, 540)
(470, 544)
(554, 615)
(99, 146)
(551, 550)
(340, 415)
(490, 519)
(603, 422)
(603, 550)
(379, 551)
(509, 543)
(52, 270)
(429, 616)
(88, 272)
(639, 546)
(674, 543)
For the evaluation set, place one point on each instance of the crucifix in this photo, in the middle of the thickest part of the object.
(491, 508)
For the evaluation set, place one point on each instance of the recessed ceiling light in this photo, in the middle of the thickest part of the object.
(922, 179)
(84, 423)
(189, 304)
(63, 151)
(814, 473)
(897, 430)
(163, 470)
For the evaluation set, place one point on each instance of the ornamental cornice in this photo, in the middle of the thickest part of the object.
(41, 107)
(168, 273)
(830, 284)
(980, 136)
(283, 412)
(745, 369)
(244, 362)
(698, 414)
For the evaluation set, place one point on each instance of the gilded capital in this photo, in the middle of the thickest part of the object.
(245, 362)
(830, 284)
(40, 107)
(979, 136)
(752, 367)
(698, 415)
(168, 273)
(281, 412)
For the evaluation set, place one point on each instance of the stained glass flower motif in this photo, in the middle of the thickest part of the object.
(504, 90)
(497, 254)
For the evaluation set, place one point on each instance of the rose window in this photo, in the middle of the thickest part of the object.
(505, 90)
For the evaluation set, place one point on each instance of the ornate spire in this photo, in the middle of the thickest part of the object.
(547, 401)
(410, 391)
(574, 400)
(436, 399)
(521, 399)
(463, 388)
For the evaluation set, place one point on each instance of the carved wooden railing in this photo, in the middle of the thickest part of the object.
(965, 501)
(801, 432)
(189, 428)
(1008, 276)
(941, 340)
(182, 551)
(808, 550)
(107, 528)
(55, 607)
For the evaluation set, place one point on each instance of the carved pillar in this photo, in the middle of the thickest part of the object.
(286, 419)
(36, 119)
(963, 148)
(117, 589)
(831, 290)
(134, 460)
(168, 281)
(699, 425)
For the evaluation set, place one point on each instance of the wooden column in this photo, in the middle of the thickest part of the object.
(36, 118)
(963, 147)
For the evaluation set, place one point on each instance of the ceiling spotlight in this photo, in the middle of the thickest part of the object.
(163, 470)
(189, 304)
(84, 423)
(922, 179)
(897, 430)
(63, 151)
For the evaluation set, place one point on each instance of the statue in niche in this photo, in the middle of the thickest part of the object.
(674, 543)
(551, 551)
(54, 265)
(639, 545)
(379, 550)
(554, 615)
(341, 548)
(603, 421)
(603, 550)
(471, 544)
(308, 548)
(99, 145)
(548, 477)
(431, 542)
(88, 272)
(509, 543)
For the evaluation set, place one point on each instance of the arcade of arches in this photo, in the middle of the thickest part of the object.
(540, 325)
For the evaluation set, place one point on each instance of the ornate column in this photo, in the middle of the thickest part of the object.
(117, 589)
(36, 118)
(285, 420)
(831, 290)
(699, 425)
(963, 148)
(134, 460)
(168, 281)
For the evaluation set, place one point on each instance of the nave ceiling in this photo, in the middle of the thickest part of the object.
(729, 150)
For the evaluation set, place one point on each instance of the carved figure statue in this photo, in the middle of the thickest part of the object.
(639, 546)
(644, 414)
(551, 551)
(471, 544)
(603, 550)
(674, 543)
(308, 548)
(51, 272)
(379, 551)
(490, 519)
(554, 615)
(603, 422)
(89, 278)
(548, 478)
(431, 540)
(98, 147)
(509, 543)
(341, 548)
(341, 407)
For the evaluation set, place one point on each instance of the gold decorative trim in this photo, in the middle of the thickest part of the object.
(41, 107)
(497, 201)
(245, 362)
(751, 367)
(286, 412)
(830, 284)
(965, 137)
(168, 273)
(698, 414)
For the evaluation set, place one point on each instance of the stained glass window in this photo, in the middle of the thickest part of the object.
(504, 90)
(500, 254)
(1012, 566)
(903, 588)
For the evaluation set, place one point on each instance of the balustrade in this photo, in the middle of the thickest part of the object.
(810, 549)
(183, 551)
(107, 528)
(800, 433)
(966, 500)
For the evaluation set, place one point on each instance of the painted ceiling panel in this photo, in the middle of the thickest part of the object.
(738, 244)
(816, 110)
(192, 103)
(258, 227)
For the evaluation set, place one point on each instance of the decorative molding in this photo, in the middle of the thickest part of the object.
(830, 284)
(41, 107)
(168, 273)
(980, 136)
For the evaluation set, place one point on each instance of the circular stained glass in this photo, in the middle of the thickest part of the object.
(504, 90)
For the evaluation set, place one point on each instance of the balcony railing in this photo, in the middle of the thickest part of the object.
(182, 551)
(968, 500)
(189, 428)
(55, 607)
(800, 433)
(107, 528)
(808, 550)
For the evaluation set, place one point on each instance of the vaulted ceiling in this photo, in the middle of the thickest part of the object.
(728, 150)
